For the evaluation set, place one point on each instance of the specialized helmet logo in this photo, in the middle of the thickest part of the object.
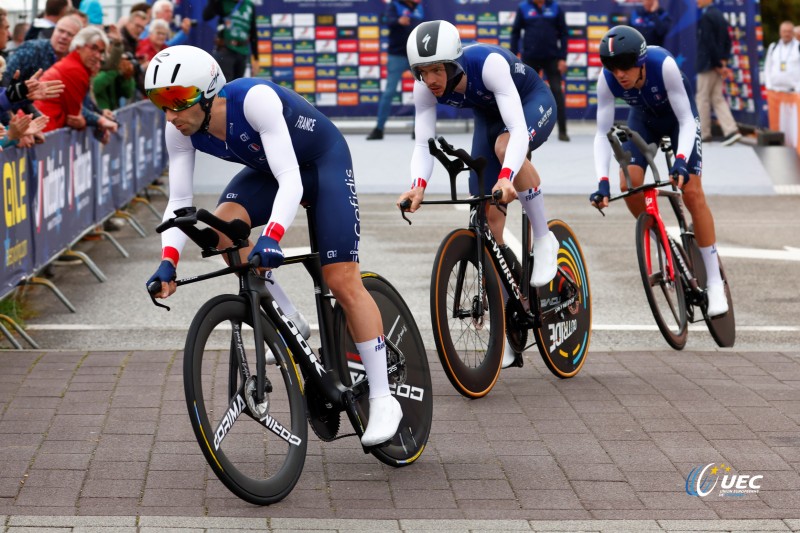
(214, 76)
(426, 40)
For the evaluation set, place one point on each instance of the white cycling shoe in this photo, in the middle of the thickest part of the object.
(717, 301)
(302, 326)
(385, 415)
(545, 260)
(509, 355)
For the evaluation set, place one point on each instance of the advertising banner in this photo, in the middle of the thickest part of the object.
(333, 52)
(15, 224)
(149, 133)
(111, 191)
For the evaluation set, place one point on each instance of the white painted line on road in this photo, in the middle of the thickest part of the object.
(595, 327)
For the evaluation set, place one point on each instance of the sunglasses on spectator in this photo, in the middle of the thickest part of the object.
(174, 98)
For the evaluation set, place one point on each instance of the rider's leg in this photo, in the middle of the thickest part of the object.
(231, 211)
(545, 245)
(635, 202)
(366, 329)
(695, 200)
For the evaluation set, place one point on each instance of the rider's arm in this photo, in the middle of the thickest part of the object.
(605, 119)
(264, 111)
(181, 178)
(681, 106)
(424, 129)
(497, 78)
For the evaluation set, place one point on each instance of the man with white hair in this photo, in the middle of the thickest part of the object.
(87, 51)
(42, 53)
(162, 9)
(782, 64)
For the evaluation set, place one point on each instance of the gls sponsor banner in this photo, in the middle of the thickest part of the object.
(15, 224)
(704, 480)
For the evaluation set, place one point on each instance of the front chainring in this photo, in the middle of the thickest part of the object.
(323, 418)
(516, 326)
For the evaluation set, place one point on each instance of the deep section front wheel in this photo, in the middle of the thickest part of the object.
(665, 292)
(467, 314)
(258, 457)
(566, 308)
(409, 373)
(722, 327)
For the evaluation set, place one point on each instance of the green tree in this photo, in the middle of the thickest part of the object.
(773, 12)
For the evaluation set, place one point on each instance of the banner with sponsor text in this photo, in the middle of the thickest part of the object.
(55, 192)
(333, 52)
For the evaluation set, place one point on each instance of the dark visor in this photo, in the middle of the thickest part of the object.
(619, 62)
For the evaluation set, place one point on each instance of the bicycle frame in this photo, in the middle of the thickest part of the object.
(320, 370)
(651, 191)
(521, 292)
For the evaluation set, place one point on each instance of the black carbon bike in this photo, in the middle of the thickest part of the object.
(253, 427)
(470, 321)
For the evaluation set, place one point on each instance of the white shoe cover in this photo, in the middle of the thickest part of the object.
(717, 301)
(385, 414)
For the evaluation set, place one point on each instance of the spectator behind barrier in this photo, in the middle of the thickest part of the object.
(162, 9)
(5, 32)
(18, 36)
(652, 21)
(23, 127)
(111, 86)
(154, 43)
(54, 10)
(41, 53)
(86, 55)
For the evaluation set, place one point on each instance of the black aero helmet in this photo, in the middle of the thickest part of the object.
(622, 47)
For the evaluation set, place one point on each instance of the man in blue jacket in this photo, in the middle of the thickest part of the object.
(713, 51)
(544, 47)
(401, 16)
(652, 21)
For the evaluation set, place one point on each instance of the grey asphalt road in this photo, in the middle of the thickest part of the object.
(94, 433)
(758, 234)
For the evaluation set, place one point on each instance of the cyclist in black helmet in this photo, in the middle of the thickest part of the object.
(648, 79)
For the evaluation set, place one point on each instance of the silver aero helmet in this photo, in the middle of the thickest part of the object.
(433, 42)
(181, 76)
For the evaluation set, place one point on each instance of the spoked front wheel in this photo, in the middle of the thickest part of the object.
(665, 293)
(468, 323)
(258, 457)
(566, 308)
(409, 374)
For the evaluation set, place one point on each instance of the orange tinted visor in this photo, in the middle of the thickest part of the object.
(175, 98)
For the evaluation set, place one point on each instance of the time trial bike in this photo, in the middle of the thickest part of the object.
(469, 318)
(253, 426)
(672, 269)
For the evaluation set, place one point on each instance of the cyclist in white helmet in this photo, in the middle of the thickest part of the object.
(514, 114)
(292, 153)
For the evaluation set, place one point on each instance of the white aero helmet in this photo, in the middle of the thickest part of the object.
(181, 76)
(432, 42)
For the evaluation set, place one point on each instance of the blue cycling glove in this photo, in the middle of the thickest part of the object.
(165, 273)
(679, 168)
(270, 252)
(603, 191)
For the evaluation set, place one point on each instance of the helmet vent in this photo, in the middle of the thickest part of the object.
(155, 74)
(175, 73)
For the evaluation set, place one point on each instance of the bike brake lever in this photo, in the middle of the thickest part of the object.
(153, 289)
(405, 204)
(599, 209)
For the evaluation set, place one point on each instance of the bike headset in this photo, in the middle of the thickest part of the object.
(623, 48)
(182, 76)
(436, 41)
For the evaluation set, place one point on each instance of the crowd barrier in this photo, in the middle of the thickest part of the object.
(56, 192)
(784, 116)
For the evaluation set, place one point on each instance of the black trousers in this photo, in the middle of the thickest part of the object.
(550, 69)
(232, 63)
